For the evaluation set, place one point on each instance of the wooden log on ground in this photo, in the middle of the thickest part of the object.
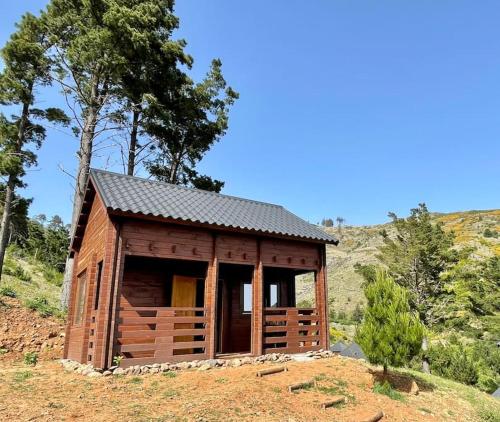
(374, 418)
(333, 402)
(300, 385)
(270, 371)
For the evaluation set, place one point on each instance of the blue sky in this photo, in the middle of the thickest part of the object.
(347, 108)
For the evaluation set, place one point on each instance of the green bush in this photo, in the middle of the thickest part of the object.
(387, 390)
(7, 291)
(42, 306)
(53, 276)
(454, 363)
(490, 233)
(31, 358)
(15, 270)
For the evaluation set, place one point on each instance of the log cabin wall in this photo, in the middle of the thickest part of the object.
(290, 254)
(159, 240)
(91, 252)
(142, 238)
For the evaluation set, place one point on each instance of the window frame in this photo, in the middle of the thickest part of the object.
(242, 298)
(80, 298)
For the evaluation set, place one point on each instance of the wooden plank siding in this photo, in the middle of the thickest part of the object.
(289, 254)
(292, 330)
(134, 317)
(92, 250)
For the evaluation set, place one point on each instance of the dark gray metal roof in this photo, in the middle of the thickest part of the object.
(338, 347)
(141, 196)
(353, 351)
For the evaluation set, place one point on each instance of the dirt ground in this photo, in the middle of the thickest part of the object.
(47, 393)
(23, 330)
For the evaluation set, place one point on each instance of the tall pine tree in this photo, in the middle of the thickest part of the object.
(25, 68)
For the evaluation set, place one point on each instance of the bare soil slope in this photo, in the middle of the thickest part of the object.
(47, 393)
(23, 330)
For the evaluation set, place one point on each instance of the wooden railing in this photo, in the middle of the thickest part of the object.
(291, 330)
(156, 335)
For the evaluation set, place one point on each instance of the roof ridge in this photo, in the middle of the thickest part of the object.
(206, 192)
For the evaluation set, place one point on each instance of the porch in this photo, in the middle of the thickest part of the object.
(165, 314)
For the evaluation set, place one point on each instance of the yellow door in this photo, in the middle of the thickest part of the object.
(184, 296)
(184, 292)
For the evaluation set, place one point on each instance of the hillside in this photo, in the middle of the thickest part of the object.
(358, 244)
(46, 392)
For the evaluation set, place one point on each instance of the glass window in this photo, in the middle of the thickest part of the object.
(247, 297)
(273, 295)
(80, 297)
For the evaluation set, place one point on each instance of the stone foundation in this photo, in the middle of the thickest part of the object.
(200, 365)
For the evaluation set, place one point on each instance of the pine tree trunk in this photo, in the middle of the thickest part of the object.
(9, 191)
(425, 361)
(4, 230)
(133, 142)
(85, 157)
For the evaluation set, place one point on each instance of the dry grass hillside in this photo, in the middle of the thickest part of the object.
(358, 244)
(47, 393)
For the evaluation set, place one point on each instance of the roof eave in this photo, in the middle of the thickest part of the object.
(150, 217)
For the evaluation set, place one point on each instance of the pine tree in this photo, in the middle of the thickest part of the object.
(390, 334)
(25, 68)
(186, 125)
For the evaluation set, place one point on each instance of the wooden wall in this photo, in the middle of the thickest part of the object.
(290, 254)
(116, 240)
(166, 241)
(92, 251)
(148, 281)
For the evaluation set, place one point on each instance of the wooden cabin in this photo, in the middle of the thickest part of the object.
(164, 273)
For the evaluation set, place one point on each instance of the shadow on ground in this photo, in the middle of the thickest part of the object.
(402, 382)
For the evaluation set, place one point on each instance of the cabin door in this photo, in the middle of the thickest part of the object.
(184, 296)
(234, 308)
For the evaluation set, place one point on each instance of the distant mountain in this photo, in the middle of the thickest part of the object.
(358, 244)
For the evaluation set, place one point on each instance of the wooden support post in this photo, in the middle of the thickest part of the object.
(104, 315)
(211, 299)
(301, 385)
(270, 371)
(258, 305)
(322, 298)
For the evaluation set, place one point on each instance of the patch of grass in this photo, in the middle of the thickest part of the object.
(12, 268)
(22, 376)
(135, 380)
(52, 276)
(170, 394)
(3, 351)
(320, 377)
(38, 286)
(486, 407)
(387, 390)
(423, 409)
(30, 358)
(169, 374)
(42, 306)
(7, 291)
(221, 380)
(276, 390)
(488, 414)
